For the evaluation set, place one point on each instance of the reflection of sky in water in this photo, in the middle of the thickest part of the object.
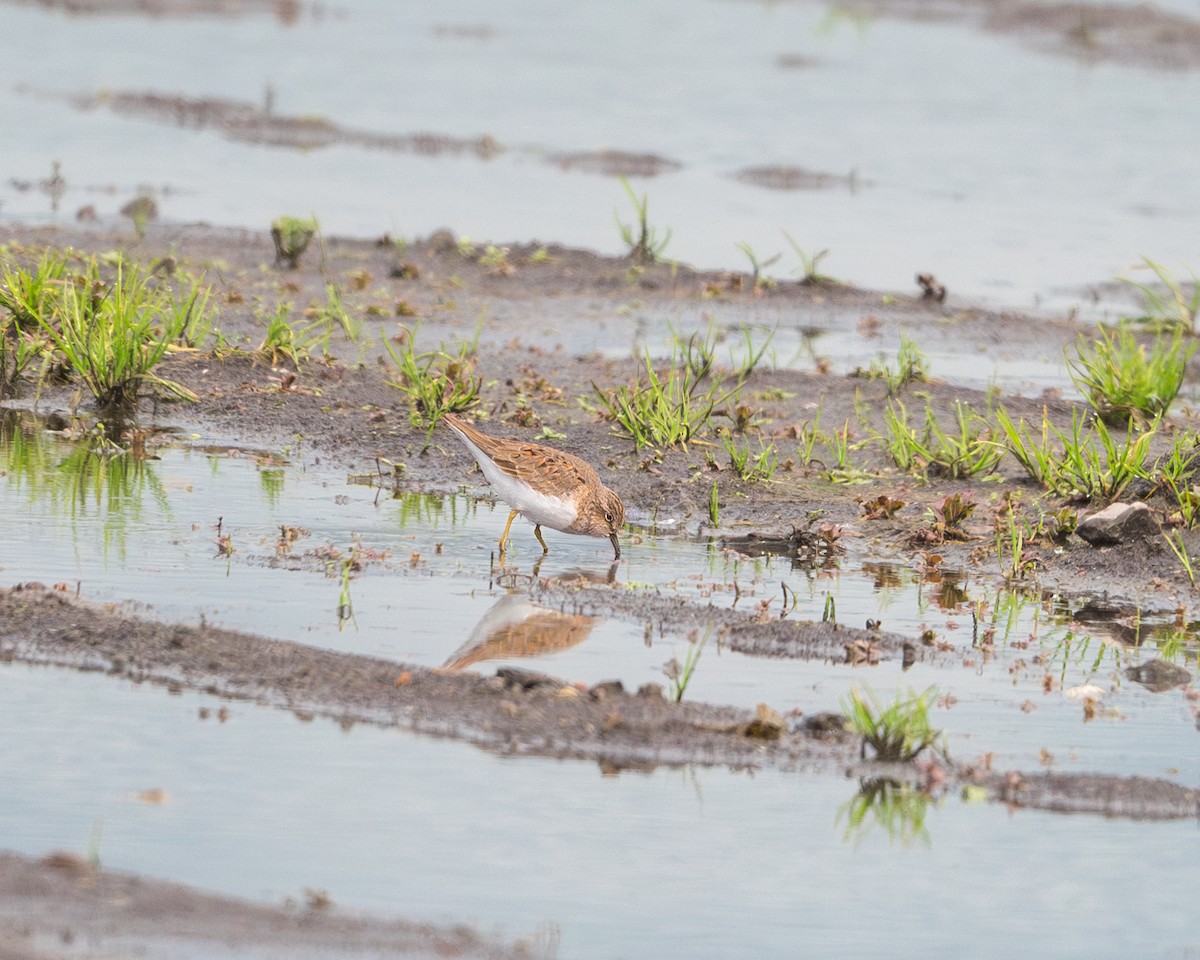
(674, 864)
(1024, 177)
(740, 864)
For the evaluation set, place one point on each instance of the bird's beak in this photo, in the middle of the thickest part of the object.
(616, 547)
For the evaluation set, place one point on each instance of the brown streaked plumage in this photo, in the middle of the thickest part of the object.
(549, 487)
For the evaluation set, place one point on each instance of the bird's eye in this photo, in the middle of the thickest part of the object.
(608, 517)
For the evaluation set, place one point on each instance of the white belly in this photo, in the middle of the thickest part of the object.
(536, 507)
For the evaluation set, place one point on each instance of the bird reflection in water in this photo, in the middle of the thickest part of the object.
(515, 626)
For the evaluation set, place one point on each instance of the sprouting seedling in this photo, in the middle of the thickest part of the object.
(667, 410)
(714, 507)
(810, 275)
(648, 244)
(1012, 533)
(345, 608)
(753, 355)
(829, 614)
(495, 261)
(435, 382)
(141, 210)
(93, 856)
(757, 266)
(749, 466)
(1179, 548)
(113, 334)
(1176, 309)
(680, 674)
(1121, 379)
(896, 732)
(291, 236)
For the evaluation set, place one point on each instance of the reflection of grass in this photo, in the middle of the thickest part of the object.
(1174, 643)
(899, 808)
(1007, 613)
(272, 483)
(432, 510)
(1075, 650)
(94, 475)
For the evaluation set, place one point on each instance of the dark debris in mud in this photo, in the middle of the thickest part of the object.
(348, 415)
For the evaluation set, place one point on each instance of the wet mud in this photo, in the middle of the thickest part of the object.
(260, 124)
(1142, 35)
(797, 178)
(341, 411)
(514, 712)
(62, 905)
(541, 371)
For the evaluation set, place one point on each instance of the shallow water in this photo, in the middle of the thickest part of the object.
(685, 863)
(1025, 178)
(678, 863)
(424, 588)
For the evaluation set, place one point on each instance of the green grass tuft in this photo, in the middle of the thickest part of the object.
(1121, 380)
(897, 732)
(436, 382)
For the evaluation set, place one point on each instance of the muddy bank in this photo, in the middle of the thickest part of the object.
(757, 629)
(514, 712)
(1140, 36)
(546, 318)
(61, 905)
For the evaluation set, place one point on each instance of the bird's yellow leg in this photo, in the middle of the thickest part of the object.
(504, 536)
(537, 532)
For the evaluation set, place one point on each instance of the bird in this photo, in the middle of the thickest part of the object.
(548, 487)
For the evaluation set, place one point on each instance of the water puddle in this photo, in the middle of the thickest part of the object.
(982, 182)
(254, 803)
(257, 544)
(219, 795)
(839, 345)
